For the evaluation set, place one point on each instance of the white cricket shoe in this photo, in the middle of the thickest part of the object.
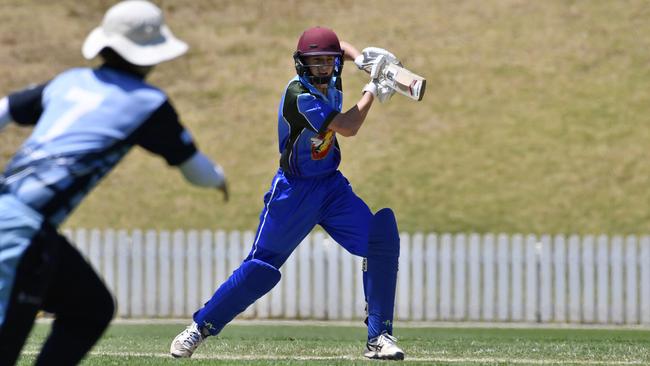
(383, 347)
(184, 345)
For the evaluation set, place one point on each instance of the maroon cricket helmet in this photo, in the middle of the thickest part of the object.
(318, 41)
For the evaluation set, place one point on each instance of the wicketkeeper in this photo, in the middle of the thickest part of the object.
(309, 190)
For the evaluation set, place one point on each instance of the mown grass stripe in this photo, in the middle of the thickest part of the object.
(479, 360)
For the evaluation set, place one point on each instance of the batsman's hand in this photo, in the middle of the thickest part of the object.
(379, 90)
(369, 56)
(371, 88)
(384, 92)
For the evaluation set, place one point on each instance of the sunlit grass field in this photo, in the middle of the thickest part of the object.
(321, 344)
(535, 118)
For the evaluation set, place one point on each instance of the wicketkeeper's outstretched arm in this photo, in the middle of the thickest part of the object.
(201, 171)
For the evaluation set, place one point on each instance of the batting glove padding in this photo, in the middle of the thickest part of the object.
(384, 92)
(379, 90)
(369, 56)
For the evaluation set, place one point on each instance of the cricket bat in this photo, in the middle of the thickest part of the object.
(403, 81)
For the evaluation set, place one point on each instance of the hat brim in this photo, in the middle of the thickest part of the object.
(165, 48)
(322, 53)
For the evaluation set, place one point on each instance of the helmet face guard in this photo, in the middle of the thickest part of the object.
(303, 70)
(318, 41)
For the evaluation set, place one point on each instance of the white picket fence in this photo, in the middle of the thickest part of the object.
(458, 277)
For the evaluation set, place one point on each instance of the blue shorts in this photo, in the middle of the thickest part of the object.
(294, 205)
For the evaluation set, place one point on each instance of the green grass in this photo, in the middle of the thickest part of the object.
(241, 344)
(535, 118)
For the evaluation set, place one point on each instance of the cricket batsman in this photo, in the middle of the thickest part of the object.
(85, 120)
(309, 190)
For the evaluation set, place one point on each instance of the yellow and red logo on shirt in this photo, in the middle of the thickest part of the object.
(321, 145)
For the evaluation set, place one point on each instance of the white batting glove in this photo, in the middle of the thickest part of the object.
(379, 90)
(384, 92)
(371, 88)
(369, 56)
(376, 71)
(361, 62)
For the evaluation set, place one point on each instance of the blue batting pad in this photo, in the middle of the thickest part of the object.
(247, 283)
(380, 276)
(384, 235)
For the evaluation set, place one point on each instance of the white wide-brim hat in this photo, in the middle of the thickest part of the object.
(136, 30)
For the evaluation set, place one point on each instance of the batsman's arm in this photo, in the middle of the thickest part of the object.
(348, 123)
(350, 51)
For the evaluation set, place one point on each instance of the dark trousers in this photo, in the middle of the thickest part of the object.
(53, 276)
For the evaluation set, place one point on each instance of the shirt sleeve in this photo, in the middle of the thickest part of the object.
(26, 106)
(302, 109)
(163, 134)
(316, 112)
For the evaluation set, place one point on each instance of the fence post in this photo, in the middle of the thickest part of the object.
(192, 284)
(503, 277)
(645, 279)
(588, 278)
(474, 273)
(165, 274)
(431, 265)
(418, 277)
(319, 284)
(460, 284)
(151, 277)
(532, 279)
(347, 284)
(546, 279)
(290, 280)
(559, 265)
(207, 270)
(602, 275)
(123, 275)
(333, 279)
(575, 288)
(517, 261)
(616, 284)
(631, 283)
(305, 267)
(488, 277)
(178, 274)
(445, 277)
(137, 274)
